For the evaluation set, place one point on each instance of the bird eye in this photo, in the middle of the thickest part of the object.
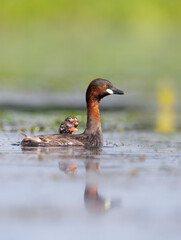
(104, 87)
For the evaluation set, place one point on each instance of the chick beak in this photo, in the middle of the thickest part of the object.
(73, 129)
(75, 123)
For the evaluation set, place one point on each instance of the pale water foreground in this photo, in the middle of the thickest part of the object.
(129, 189)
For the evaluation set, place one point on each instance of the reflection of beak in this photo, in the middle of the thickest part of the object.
(107, 204)
(117, 91)
(75, 123)
(73, 129)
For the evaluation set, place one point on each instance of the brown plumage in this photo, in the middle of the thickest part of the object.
(92, 136)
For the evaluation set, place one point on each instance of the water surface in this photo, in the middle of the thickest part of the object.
(129, 189)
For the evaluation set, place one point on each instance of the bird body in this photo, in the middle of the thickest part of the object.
(92, 136)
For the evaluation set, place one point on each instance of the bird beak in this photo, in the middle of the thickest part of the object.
(114, 91)
(117, 91)
(75, 123)
(73, 129)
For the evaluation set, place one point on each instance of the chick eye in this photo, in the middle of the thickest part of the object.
(104, 87)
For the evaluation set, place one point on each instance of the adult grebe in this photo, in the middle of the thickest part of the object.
(92, 136)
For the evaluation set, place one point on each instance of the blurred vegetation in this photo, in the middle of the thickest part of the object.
(49, 121)
(62, 45)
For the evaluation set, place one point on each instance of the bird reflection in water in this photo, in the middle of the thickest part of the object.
(68, 168)
(94, 202)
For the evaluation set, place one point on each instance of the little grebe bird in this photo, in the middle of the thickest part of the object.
(69, 125)
(92, 136)
(72, 119)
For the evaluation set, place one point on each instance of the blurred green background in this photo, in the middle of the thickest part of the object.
(62, 45)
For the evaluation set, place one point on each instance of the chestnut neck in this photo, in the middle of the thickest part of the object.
(93, 115)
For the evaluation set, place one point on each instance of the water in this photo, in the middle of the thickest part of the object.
(129, 189)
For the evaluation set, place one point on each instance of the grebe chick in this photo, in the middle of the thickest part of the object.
(92, 136)
(73, 120)
(67, 127)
